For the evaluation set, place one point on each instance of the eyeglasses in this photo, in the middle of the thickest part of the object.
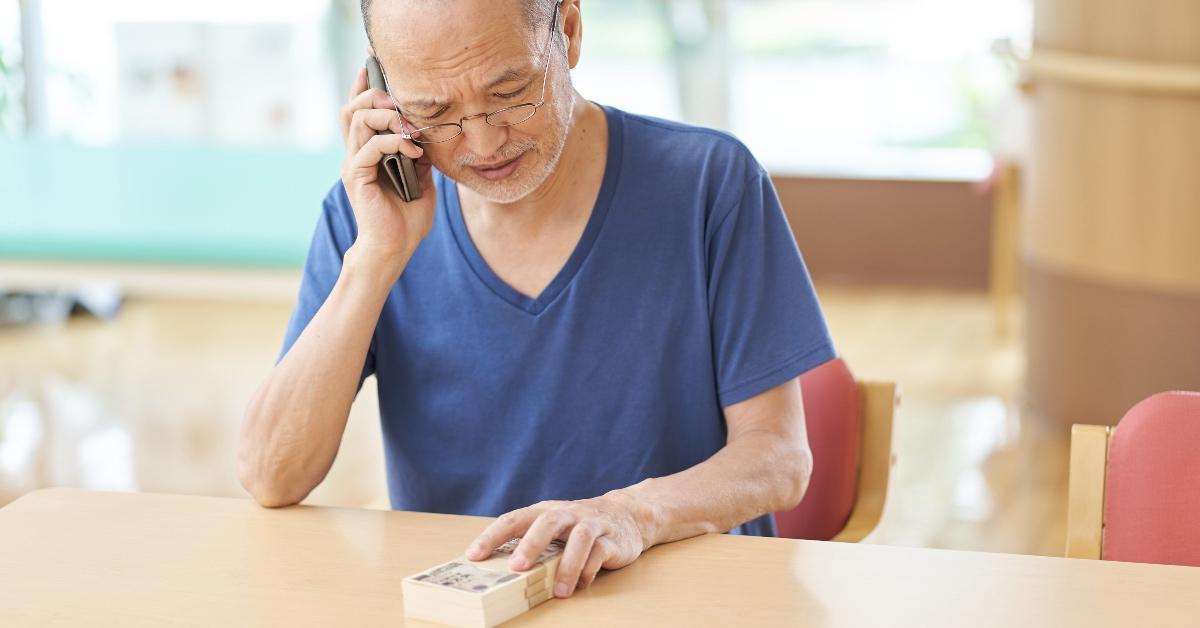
(508, 116)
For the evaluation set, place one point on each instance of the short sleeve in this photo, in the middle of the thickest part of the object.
(335, 232)
(766, 322)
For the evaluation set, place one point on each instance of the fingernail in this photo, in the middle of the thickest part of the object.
(561, 589)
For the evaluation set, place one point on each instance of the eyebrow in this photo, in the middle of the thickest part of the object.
(511, 74)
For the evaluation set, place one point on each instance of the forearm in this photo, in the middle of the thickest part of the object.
(764, 467)
(295, 421)
(757, 473)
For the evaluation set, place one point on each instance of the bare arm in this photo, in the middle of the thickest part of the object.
(296, 419)
(764, 467)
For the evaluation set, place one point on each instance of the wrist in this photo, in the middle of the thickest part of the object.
(646, 514)
(378, 268)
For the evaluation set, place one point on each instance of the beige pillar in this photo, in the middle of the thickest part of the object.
(1111, 235)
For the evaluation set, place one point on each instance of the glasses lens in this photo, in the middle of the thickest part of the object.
(435, 134)
(512, 115)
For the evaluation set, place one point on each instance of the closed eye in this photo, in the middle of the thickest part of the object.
(431, 118)
(514, 94)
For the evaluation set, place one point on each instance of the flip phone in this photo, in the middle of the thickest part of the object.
(400, 169)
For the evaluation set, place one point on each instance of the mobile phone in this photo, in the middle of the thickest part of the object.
(400, 169)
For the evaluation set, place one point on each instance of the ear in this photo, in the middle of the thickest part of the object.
(572, 30)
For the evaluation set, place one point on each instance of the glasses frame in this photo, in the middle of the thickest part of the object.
(487, 117)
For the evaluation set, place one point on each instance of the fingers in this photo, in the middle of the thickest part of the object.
(593, 540)
(363, 165)
(364, 99)
(366, 113)
(358, 87)
(505, 527)
(600, 554)
(366, 123)
(581, 545)
(547, 527)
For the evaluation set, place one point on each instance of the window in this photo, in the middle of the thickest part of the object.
(807, 84)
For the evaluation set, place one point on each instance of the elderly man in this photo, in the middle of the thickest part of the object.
(592, 321)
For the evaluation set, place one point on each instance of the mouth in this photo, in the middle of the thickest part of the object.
(499, 170)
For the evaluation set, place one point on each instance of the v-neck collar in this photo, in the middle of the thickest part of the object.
(535, 306)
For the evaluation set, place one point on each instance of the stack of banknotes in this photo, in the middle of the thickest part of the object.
(481, 593)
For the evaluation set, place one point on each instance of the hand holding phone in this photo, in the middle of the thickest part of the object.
(400, 169)
(385, 194)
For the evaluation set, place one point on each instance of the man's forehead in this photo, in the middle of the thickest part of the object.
(434, 31)
(422, 84)
(491, 45)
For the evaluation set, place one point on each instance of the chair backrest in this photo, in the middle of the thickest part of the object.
(849, 432)
(1134, 490)
(1152, 488)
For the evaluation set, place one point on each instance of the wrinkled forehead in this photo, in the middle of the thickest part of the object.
(422, 44)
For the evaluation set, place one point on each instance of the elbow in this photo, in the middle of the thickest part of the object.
(274, 500)
(796, 466)
(266, 488)
(263, 480)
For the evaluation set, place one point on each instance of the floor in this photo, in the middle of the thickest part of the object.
(974, 470)
(151, 401)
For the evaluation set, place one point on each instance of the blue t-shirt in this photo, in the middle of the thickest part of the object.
(685, 294)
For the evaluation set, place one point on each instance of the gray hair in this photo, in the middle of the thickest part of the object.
(535, 11)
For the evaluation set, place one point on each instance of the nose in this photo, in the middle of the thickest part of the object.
(481, 138)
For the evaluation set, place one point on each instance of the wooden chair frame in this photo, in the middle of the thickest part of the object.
(1085, 490)
(878, 403)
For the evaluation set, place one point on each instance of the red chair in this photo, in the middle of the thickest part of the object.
(1134, 491)
(850, 434)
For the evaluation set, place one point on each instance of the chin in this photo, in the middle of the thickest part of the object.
(521, 183)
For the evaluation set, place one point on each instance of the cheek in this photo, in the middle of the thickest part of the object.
(535, 134)
(440, 157)
(543, 132)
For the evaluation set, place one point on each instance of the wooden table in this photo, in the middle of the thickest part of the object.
(79, 558)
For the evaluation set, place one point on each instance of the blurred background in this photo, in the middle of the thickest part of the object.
(997, 199)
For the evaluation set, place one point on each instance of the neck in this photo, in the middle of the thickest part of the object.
(539, 206)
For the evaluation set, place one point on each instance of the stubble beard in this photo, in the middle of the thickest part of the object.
(539, 162)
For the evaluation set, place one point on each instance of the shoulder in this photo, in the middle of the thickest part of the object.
(686, 144)
(711, 162)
